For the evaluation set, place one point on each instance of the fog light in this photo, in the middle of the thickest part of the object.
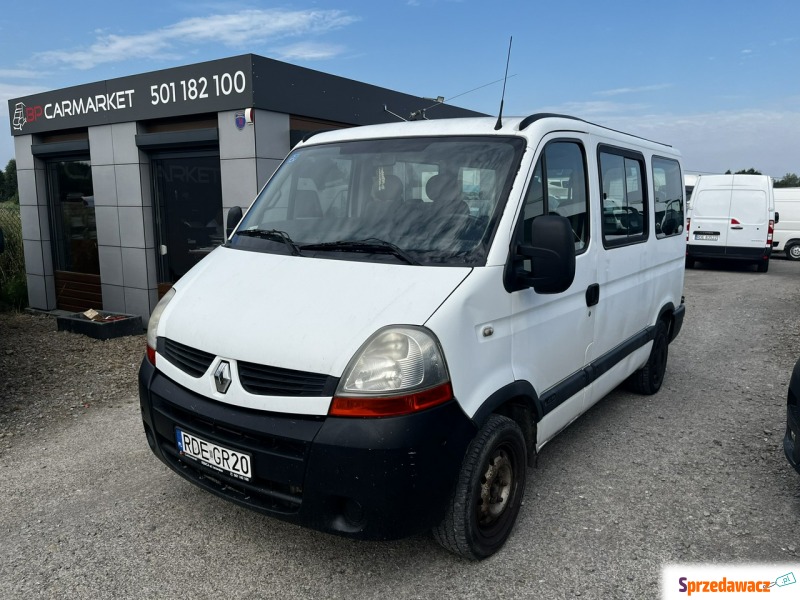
(353, 512)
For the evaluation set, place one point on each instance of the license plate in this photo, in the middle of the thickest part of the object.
(231, 462)
(712, 238)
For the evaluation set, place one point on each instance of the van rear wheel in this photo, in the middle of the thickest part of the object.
(649, 378)
(763, 266)
(488, 494)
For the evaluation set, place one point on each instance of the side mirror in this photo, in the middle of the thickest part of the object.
(552, 255)
(234, 216)
(777, 217)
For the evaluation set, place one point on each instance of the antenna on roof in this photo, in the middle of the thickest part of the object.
(440, 100)
(386, 109)
(499, 123)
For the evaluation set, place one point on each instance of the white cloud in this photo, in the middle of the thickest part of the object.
(718, 141)
(20, 74)
(9, 91)
(235, 30)
(308, 51)
(634, 90)
(711, 142)
(592, 110)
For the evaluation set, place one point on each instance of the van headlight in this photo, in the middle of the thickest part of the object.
(152, 324)
(397, 371)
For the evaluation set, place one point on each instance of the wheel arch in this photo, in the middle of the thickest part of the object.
(672, 318)
(517, 401)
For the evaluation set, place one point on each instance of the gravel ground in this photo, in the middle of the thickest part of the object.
(48, 375)
(695, 474)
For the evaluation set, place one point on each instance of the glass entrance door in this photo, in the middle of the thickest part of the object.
(188, 198)
(76, 262)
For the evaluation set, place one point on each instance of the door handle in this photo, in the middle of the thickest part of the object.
(736, 227)
(593, 294)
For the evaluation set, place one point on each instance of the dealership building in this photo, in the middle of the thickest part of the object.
(124, 184)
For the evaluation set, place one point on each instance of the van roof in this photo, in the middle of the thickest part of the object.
(530, 127)
(735, 180)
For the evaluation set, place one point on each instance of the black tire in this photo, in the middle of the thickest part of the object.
(488, 494)
(649, 378)
(689, 262)
(763, 266)
(793, 251)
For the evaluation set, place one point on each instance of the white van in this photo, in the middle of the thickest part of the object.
(732, 217)
(787, 229)
(408, 312)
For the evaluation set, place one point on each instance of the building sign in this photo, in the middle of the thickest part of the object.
(205, 87)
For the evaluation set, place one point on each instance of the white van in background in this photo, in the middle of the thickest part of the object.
(408, 313)
(732, 217)
(787, 230)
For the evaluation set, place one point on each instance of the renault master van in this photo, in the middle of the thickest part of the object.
(407, 313)
(732, 218)
(787, 229)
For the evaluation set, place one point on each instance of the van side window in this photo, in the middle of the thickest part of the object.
(558, 187)
(667, 197)
(622, 177)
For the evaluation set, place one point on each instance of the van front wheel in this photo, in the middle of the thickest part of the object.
(793, 251)
(488, 494)
(649, 378)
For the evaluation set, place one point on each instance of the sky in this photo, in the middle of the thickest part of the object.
(719, 80)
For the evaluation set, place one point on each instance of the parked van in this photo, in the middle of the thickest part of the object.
(408, 313)
(787, 229)
(732, 217)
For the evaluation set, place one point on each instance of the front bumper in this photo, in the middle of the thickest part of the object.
(791, 440)
(364, 478)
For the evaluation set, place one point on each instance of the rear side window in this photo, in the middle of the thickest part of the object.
(667, 197)
(624, 197)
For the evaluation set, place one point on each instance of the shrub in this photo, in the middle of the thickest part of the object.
(13, 284)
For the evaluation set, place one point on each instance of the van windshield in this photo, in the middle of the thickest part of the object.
(429, 201)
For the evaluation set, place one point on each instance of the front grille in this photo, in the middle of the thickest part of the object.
(262, 380)
(189, 360)
(275, 381)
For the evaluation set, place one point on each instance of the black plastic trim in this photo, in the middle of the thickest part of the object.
(677, 321)
(571, 385)
(728, 252)
(517, 389)
(792, 447)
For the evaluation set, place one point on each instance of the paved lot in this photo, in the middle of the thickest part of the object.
(693, 474)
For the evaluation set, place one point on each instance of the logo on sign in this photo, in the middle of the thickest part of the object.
(19, 116)
(240, 120)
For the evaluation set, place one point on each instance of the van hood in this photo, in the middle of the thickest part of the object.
(295, 312)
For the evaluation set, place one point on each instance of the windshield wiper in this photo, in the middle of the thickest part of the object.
(275, 235)
(368, 245)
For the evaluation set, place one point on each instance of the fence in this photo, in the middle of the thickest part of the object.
(13, 287)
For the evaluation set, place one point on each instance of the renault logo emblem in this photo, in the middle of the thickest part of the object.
(222, 376)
